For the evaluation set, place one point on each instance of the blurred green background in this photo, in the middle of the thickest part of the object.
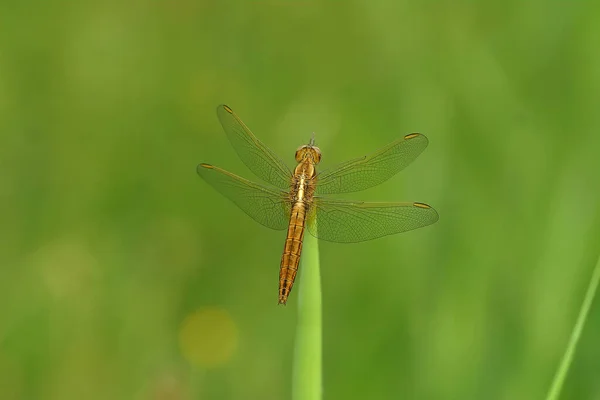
(125, 276)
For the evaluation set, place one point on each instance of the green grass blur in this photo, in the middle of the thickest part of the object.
(124, 276)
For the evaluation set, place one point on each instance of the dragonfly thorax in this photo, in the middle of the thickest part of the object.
(308, 151)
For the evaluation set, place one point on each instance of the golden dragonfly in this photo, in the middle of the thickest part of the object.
(295, 201)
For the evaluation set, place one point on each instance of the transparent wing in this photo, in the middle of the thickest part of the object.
(353, 221)
(258, 158)
(269, 207)
(368, 171)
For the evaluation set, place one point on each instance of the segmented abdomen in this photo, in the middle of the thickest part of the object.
(291, 251)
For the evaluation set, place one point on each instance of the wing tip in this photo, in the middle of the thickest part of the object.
(427, 207)
(415, 135)
(202, 166)
(421, 205)
(224, 107)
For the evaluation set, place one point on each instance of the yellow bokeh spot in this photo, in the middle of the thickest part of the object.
(208, 337)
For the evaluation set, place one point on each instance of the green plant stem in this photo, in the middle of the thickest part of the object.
(307, 378)
(565, 363)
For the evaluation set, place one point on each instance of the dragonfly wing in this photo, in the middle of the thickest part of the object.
(258, 158)
(353, 221)
(368, 171)
(269, 207)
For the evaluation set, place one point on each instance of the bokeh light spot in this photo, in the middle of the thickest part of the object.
(67, 268)
(208, 337)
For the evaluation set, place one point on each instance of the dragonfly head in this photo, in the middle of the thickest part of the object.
(309, 151)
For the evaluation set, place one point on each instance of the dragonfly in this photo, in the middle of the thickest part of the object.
(296, 199)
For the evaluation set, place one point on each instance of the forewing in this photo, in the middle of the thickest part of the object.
(258, 158)
(266, 206)
(368, 171)
(352, 221)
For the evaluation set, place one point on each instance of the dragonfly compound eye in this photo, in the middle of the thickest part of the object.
(316, 154)
(308, 151)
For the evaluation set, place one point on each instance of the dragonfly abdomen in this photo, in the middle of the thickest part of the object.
(291, 251)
